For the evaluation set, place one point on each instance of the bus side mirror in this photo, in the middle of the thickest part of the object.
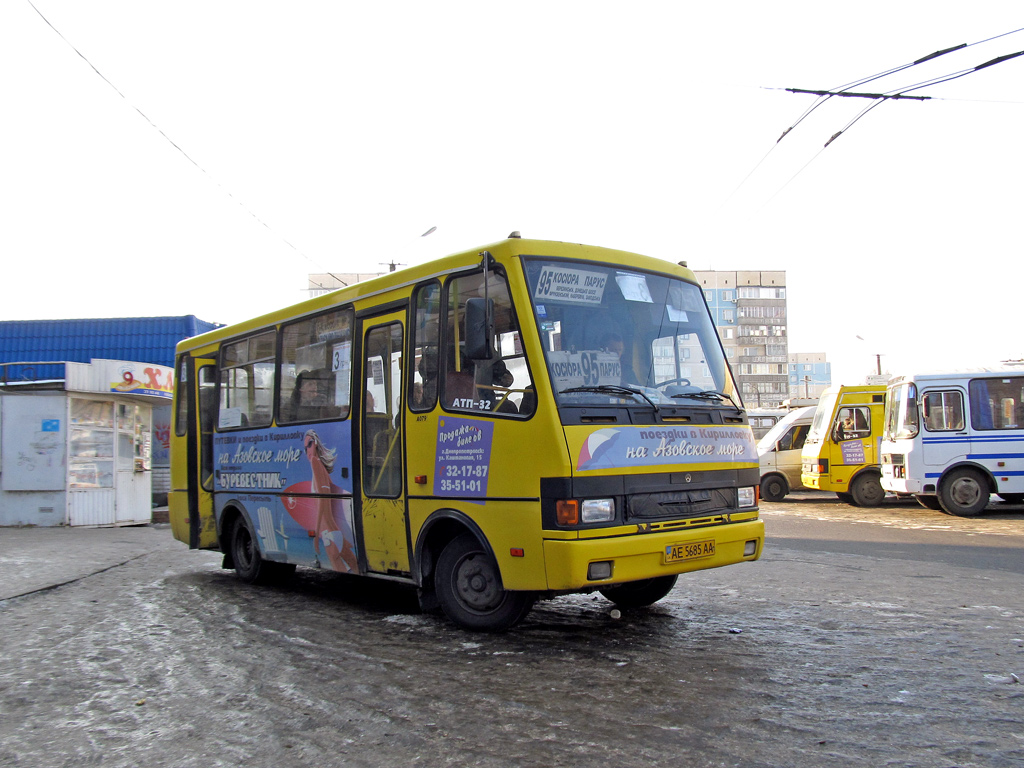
(479, 328)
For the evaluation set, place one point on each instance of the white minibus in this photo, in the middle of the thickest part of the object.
(779, 453)
(952, 439)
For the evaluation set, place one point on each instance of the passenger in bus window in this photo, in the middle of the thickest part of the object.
(308, 398)
(848, 425)
(844, 425)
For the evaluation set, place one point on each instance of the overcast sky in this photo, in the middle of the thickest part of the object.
(248, 144)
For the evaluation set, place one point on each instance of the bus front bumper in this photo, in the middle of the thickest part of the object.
(572, 565)
(895, 484)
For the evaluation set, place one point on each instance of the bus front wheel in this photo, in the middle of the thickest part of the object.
(640, 594)
(866, 490)
(964, 493)
(470, 591)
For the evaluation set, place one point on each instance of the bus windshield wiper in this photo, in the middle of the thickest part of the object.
(707, 394)
(611, 389)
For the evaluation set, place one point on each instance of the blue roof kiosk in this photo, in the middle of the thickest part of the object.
(85, 418)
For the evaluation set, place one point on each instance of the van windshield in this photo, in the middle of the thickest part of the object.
(614, 335)
(768, 442)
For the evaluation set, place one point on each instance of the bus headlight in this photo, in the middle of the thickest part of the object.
(745, 496)
(597, 510)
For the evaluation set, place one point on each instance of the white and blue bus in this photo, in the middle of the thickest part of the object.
(953, 439)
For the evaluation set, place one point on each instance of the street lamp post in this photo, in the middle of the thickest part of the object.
(878, 358)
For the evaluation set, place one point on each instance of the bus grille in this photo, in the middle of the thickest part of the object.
(679, 504)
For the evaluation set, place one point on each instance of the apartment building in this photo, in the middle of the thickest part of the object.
(749, 308)
(810, 374)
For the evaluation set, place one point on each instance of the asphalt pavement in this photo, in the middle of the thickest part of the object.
(33, 559)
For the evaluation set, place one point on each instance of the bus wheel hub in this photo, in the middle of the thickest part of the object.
(476, 584)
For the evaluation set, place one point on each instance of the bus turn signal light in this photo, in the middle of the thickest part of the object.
(567, 512)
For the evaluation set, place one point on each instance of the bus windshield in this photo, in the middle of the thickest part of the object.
(822, 416)
(633, 338)
(901, 415)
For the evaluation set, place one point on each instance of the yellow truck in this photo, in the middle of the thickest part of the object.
(842, 449)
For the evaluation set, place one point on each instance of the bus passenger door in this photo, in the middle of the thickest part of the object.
(381, 484)
(191, 498)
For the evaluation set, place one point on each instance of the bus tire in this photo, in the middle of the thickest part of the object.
(249, 563)
(469, 589)
(929, 502)
(774, 487)
(866, 490)
(1011, 498)
(964, 492)
(640, 594)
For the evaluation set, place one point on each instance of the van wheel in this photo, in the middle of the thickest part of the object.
(866, 490)
(640, 594)
(469, 589)
(773, 488)
(964, 493)
(928, 502)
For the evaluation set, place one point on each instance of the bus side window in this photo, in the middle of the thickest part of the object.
(247, 382)
(852, 423)
(501, 384)
(943, 411)
(315, 368)
(426, 336)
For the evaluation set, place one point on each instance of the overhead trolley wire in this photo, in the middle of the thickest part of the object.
(897, 94)
(900, 93)
(174, 144)
(824, 96)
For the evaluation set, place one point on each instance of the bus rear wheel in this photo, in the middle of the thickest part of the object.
(964, 493)
(249, 563)
(639, 594)
(866, 490)
(773, 488)
(469, 589)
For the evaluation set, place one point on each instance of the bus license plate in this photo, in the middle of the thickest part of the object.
(692, 550)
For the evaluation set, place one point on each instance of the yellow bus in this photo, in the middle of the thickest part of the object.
(842, 449)
(515, 422)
